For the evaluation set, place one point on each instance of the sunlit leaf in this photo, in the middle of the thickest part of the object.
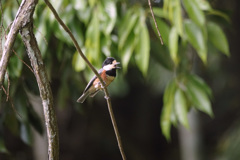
(126, 27)
(76, 28)
(143, 49)
(168, 100)
(109, 16)
(203, 5)
(127, 50)
(79, 4)
(173, 44)
(163, 28)
(106, 45)
(180, 106)
(200, 83)
(199, 97)
(78, 63)
(218, 38)
(194, 12)
(159, 12)
(195, 37)
(177, 17)
(92, 42)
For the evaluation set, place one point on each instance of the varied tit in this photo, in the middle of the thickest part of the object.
(107, 73)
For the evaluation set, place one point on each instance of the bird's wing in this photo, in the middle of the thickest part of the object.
(92, 80)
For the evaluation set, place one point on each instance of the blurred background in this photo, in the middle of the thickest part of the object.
(192, 81)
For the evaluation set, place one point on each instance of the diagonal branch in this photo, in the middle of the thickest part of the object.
(95, 72)
(159, 34)
(11, 38)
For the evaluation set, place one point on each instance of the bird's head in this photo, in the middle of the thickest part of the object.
(110, 63)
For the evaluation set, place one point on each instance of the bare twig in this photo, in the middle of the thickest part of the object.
(11, 39)
(114, 123)
(22, 61)
(44, 38)
(8, 97)
(95, 72)
(159, 34)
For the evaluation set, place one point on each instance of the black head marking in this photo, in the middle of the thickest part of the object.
(107, 61)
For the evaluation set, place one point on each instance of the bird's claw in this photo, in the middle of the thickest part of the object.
(106, 97)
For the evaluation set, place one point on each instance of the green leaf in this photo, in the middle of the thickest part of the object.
(173, 44)
(25, 133)
(143, 45)
(160, 54)
(180, 106)
(126, 27)
(109, 16)
(159, 12)
(219, 13)
(194, 12)
(195, 37)
(177, 17)
(78, 63)
(11, 123)
(106, 43)
(143, 49)
(203, 5)
(198, 97)
(127, 50)
(15, 66)
(200, 83)
(92, 42)
(168, 99)
(218, 38)
(163, 28)
(21, 106)
(76, 28)
(3, 148)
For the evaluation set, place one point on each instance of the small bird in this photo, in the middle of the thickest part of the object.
(107, 73)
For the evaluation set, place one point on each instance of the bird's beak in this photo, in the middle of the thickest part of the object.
(116, 65)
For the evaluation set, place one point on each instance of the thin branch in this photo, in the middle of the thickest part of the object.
(44, 38)
(10, 99)
(22, 61)
(114, 124)
(159, 34)
(11, 39)
(95, 72)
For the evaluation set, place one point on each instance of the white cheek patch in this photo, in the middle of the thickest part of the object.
(108, 67)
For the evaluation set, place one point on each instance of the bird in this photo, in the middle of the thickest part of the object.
(107, 73)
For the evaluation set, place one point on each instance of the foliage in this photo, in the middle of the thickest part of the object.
(115, 28)
(189, 27)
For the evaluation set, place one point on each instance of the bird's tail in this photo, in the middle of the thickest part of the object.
(83, 97)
